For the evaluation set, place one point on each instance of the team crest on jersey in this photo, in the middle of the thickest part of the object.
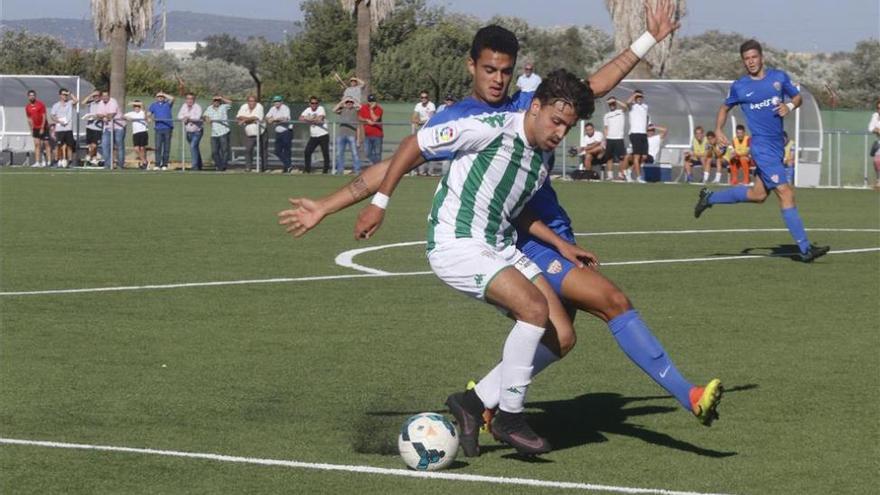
(775, 178)
(554, 267)
(444, 134)
(777, 85)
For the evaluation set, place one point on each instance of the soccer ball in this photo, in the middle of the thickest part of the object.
(428, 442)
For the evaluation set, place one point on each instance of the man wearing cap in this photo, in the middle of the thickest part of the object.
(448, 101)
(346, 135)
(370, 116)
(139, 134)
(191, 116)
(279, 116)
(160, 113)
(354, 89)
(638, 134)
(217, 115)
(62, 115)
(250, 115)
(614, 122)
(528, 81)
(316, 117)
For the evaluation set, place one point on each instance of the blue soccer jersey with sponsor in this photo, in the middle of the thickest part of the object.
(757, 99)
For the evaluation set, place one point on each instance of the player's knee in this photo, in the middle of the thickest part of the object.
(567, 343)
(534, 311)
(616, 304)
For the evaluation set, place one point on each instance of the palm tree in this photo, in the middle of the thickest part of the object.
(120, 22)
(369, 14)
(628, 17)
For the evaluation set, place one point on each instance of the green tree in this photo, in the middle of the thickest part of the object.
(120, 22)
(248, 55)
(859, 78)
(25, 53)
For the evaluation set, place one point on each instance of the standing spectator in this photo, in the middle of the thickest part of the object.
(190, 114)
(139, 135)
(160, 113)
(316, 117)
(614, 122)
(741, 159)
(250, 115)
(62, 115)
(656, 136)
(638, 134)
(113, 136)
(36, 115)
(874, 127)
(528, 81)
(217, 115)
(370, 116)
(448, 101)
(698, 155)
(592, 146)
(354, 89)
(423, 111)
(279, 116)
(346, 135)
(94, 127)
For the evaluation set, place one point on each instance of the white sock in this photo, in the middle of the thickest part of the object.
(705, 176)
(489, 388)
(516, 365)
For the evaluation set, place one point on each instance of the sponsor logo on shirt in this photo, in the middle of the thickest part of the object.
(768, 103)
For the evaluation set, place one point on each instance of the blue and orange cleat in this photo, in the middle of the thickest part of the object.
(705, 400)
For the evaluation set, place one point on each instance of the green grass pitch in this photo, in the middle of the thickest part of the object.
(326, 371)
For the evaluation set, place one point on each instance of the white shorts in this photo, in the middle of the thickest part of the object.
(468, 265)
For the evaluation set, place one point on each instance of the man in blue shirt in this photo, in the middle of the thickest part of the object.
(761, 96)
(491, 64)
(160, 112)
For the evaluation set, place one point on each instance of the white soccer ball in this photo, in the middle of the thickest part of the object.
(428, 442)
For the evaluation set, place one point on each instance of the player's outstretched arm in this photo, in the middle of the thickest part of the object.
(529, 221)
(661, 23)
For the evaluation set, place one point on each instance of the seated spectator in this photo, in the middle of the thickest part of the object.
(741, 158)
(346, 134)
(656, 136)
(719, 157)
(698, 155)
(139, 135)
(592, 146)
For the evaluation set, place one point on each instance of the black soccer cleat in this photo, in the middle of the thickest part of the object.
(813, 253)
(702, 203)
(512, 429)
(469, 422)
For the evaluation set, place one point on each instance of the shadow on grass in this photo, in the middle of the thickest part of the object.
(566, 423)
(790, 251)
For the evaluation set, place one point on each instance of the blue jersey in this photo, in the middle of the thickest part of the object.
(544, 203)
(757, 98)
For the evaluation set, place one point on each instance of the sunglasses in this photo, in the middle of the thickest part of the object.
(313, 103)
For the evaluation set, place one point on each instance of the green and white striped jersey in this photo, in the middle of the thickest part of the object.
(493, 175)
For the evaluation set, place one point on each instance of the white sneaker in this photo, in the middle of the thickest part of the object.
(62, 163)
(641, 180)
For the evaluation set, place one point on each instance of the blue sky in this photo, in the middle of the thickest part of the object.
(802, 25)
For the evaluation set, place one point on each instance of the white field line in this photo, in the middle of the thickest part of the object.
(714, 231)
(435, 475)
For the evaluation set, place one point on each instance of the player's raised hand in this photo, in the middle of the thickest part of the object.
(368, 222)
(661, 18)
(303, 217)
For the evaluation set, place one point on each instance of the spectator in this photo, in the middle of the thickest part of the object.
(190, 114)
(874, 127)
(698, 155)
(614, 122)
(370, 115)
(742, 158)
(94, 128)
(592, 146)
(788, 157)
(354, 89)
(423, 111)
(346, 135)
(217, 115)
(35, 110)
(279, 116)
(316, 117)
(250, 115)
(448, 101)
(638, 134)
(719, 157)
(62, 115)
(139, 134)
(656, 136)
(528, 81)
(113, 136)
(160, 113)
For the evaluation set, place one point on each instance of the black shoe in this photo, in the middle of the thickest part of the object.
(702, 203)
(469, 421)
(512, 429)
(813, 253)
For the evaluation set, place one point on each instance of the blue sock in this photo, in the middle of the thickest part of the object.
(796, 227)
(640, 345)
(738, 194)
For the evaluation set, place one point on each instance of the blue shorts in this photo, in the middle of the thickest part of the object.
(553, 265)
(771, 170)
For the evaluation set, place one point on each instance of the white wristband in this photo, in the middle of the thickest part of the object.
(790, 106)
(380, 200)
(641, 46)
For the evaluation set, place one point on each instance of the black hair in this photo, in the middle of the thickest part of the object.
(710, 134)
(698, 128)
(32, 91)
(589, 124)
(740, 127)
(62, 91)
(314, 98)
(565, 86)
(495, 38)
(750, 45)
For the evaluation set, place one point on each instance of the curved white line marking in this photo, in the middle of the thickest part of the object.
(346, 258)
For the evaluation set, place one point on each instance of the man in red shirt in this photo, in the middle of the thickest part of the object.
(36, 115)
(370, 115)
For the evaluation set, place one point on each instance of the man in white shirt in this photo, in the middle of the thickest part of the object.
(279, 116)
(316, 116)
(614, 122)
(423, 111)
(592, 146)
(874, 127)
(656, 135)
(528, 81)
(62, 115)
(250, 115)
(190, 114)
(638, 134)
